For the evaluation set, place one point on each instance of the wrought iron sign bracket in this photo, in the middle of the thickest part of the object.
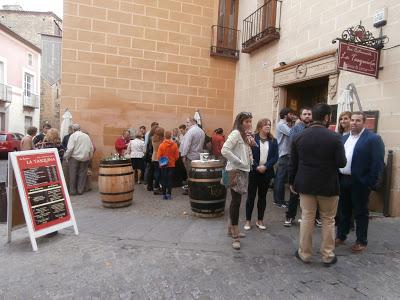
(358, 35)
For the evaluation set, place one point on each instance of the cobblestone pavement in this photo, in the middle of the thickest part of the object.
(155, 249)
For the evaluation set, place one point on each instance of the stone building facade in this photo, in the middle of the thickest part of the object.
(44, 31)
(19, 82)
(128, 63)
(303, 58)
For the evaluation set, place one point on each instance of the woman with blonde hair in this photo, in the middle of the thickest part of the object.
(238, 154)
(344, 122)
(52, 140)
(265, 156)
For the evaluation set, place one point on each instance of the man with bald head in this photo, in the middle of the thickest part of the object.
(79, 152)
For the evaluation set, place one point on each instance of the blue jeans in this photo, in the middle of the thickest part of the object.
(281, 178)
(166, 180)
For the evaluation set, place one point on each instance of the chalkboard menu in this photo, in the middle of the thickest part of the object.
(43, 189)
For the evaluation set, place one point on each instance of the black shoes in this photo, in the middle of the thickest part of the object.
(288, 222)
(332, 262)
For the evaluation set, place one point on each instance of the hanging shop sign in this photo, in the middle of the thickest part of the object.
(359, 51)
(358, 59)
(42, 191)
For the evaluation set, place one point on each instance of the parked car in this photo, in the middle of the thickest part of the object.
(10, 141)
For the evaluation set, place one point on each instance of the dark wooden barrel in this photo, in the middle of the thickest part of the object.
(116, 183)
(207, 194)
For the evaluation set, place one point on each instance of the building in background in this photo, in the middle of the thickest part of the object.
(19, 82)
(288, 59)
(44, 30)
(129, 63)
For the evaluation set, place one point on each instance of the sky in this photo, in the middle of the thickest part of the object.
(55, 6)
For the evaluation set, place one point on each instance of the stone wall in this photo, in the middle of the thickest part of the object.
(30, 25)
(128, 63)
(50, 96)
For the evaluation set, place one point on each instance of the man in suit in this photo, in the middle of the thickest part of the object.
(365, 154)
(316, 155)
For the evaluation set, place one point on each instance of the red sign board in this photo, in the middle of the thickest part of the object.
(44, 190)
(358, 59)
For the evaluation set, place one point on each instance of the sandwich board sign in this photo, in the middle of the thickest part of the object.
(42, 191)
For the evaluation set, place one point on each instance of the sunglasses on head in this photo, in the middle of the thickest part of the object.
(247, 114)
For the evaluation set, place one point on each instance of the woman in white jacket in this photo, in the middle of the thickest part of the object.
(135, 151)
(237, 151)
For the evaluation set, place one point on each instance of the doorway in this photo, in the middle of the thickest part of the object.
(307, 93)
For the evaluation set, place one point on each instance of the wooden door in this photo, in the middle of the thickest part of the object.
(227, 23)
(269, 15)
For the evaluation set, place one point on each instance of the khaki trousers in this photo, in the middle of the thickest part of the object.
(327, 209)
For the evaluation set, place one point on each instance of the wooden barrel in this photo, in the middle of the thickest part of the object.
(207, 194)
(116, 183)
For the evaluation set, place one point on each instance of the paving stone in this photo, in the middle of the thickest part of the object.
(156, 249)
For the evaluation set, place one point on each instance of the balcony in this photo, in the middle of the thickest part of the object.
(5, 93)
(31, 101)
(262, 26)
(224, 42)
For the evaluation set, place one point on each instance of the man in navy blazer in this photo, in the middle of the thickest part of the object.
(365, 154)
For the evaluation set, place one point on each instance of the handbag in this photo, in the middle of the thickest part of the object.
(163, 162)
(228, 178)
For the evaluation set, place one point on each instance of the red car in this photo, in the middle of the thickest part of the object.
(10, 141)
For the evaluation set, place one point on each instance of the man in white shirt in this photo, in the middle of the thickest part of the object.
(365, 154)
(79, 153)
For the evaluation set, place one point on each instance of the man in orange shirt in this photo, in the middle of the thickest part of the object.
(167, 155)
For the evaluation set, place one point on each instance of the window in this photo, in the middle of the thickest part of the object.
(269, 14)
(2, 71)
(30, 59)
(28, 123)
(262, 26)
(17, 136)
(28, 85)
(2, 122)
(227, 17)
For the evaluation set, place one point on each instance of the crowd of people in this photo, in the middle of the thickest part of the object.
(162, 158)
(75, 152)
(330, 174)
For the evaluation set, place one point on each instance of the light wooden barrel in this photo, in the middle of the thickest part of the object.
(116, 183)
(207, 195)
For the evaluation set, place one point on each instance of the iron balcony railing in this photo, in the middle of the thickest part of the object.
(262, 26)
(224, 42)
(31, 101)
(5, 93)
